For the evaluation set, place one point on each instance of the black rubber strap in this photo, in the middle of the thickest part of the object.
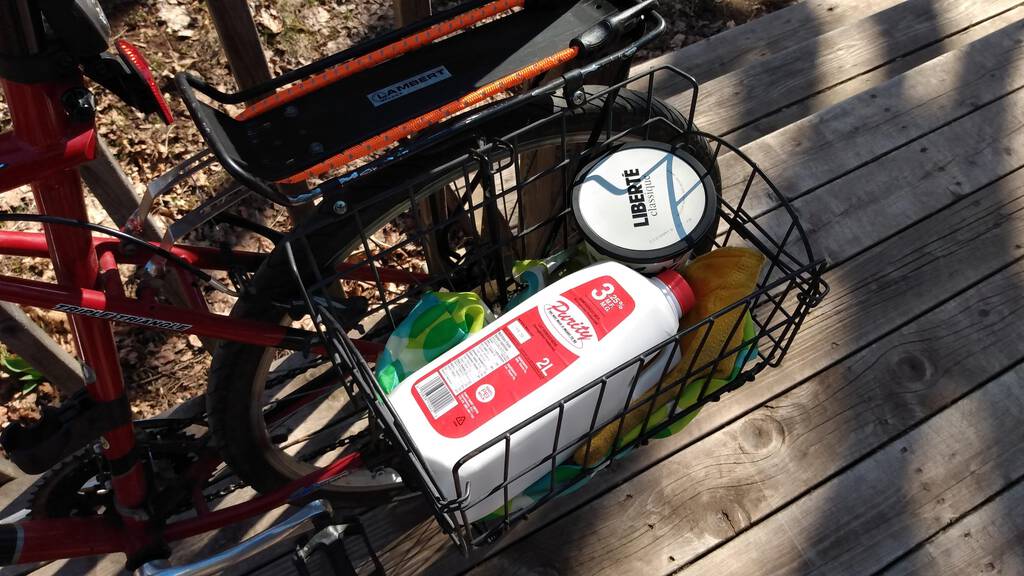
(123, 465)
(106, 416)
(11, 538)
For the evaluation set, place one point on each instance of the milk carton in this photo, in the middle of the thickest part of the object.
(537, 354)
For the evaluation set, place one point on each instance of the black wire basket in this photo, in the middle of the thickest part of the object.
(456, 229)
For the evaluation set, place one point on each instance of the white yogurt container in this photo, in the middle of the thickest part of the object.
(645, 204)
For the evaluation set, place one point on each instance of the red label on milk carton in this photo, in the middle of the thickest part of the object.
(520, 357)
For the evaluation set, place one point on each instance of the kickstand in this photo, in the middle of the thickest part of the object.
(330, 541)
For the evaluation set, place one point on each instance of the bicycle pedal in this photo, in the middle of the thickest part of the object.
(328, 545)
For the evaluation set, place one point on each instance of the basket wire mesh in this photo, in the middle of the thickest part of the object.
(469, 219)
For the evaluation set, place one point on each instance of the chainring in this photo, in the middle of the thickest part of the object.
(79, 486)
(75, 487)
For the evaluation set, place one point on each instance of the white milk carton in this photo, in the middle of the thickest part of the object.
(537, 354)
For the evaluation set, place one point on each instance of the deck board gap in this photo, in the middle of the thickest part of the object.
(951, 526)
(879, 66)
(860, 459)
(803, 381)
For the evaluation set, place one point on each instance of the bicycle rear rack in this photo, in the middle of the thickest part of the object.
(332, 116)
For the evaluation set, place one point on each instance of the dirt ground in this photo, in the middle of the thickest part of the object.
(163, 369)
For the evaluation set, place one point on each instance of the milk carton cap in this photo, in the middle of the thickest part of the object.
(677, 289)
(645, 204)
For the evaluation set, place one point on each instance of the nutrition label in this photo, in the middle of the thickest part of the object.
(520, 356)
(479, 361)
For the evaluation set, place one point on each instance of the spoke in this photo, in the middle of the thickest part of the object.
(332, 424)
(274, 379)
(313, 387)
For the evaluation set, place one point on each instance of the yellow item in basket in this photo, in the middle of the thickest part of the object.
(718, 278)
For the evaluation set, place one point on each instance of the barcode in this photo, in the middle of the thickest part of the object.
(436, 395)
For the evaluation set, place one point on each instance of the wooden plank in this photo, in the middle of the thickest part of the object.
(409, 11)
(886, 270)
(739, 98)
(869, 286)
(240, 41)
(868, 80)
(961, 157)
(26, 339)
(985, 542)
(699, 499)
(88, 566)
(894, 499)
(8, 471)
(818, 150)
(751, 43)
(208, 543)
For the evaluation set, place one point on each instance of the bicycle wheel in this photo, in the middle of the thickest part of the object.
(247, 395)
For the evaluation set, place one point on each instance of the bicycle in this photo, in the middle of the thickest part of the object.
(479, 135)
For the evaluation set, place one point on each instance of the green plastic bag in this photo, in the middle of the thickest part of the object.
(438, 322)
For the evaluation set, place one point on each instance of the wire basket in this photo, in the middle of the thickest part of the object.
(469, 249)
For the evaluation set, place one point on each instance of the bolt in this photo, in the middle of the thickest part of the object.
(291, 112)
(80, 105)
(316, 148)
(340, 207)
(65, 62)
(578, 97)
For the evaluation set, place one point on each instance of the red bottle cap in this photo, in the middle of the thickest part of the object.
(679, 287)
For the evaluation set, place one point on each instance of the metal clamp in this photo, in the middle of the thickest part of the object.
(330, 541)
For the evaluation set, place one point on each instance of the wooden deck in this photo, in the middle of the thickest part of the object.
(890, 441)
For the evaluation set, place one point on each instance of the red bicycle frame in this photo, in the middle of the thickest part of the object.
(44, 150)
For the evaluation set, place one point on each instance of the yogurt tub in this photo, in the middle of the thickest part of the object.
(644, 204)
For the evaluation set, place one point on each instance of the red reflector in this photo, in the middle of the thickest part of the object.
(134, 56)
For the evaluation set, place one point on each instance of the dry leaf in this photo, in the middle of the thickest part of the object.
(176, 18)
(271, 21)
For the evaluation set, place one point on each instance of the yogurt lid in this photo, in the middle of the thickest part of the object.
(644, 202)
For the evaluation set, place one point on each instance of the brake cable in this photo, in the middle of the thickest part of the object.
(124, 237)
